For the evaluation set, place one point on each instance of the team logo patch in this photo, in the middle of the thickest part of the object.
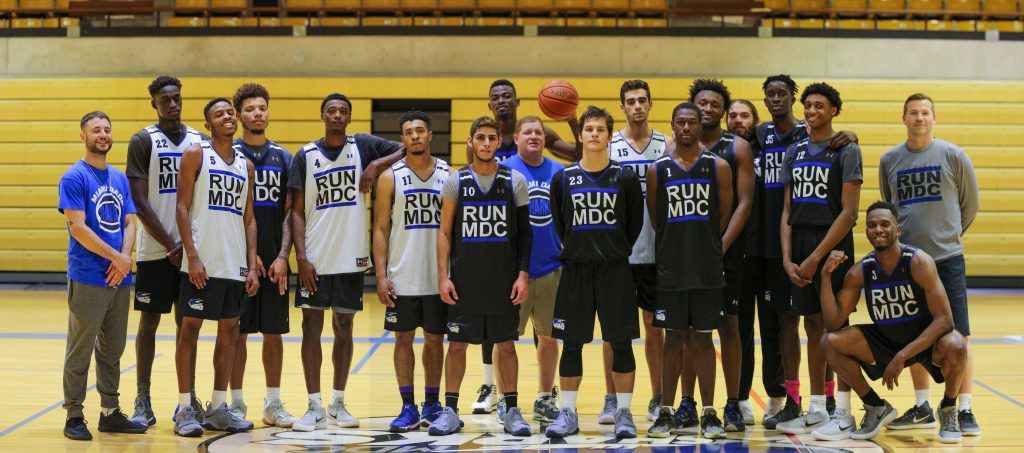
(453, 327)
(558, 323)
(391, 317)
(243, 271)
(195, 304)
(363, 261)
(142, 298)
(303, 292)
(659, 315)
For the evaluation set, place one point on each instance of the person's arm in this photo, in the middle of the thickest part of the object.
(634, 206)
(191, 161)
(444, 248)
(382, 205)
(836, 309)
(382, 153)
(744, 195)
(967, 184)
(786, 231)
(883, 182)
(652, 194)
(252, 279)
(278, 272)
(555, 204)
(137, 170)
(562, 149)
(923, 272)
(524, 237)
(724, 201)
(296, 182)
(842, 138)
(853, 178)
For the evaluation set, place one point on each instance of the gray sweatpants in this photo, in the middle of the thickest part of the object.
(98, 321)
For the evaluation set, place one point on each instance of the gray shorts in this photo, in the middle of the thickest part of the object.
(540, 303)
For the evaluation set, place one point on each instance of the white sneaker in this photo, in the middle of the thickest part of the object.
(238, 409)
(341, 416)
(838, 428)
(804, 424)
(748, 412)
(314, 418)
(486, 399)
(275, 415)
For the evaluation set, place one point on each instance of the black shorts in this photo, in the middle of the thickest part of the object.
(732, 291)
(807, 300)
(778, 290)
(219, 299)
(605, 289)
(156, 286)
(266, 312)
(341, 292)
(645, 279)
(476, 328)
(699, 309)
(883, 350)
(953, 275)
(410, 312)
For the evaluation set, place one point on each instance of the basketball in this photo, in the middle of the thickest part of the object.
(558, 100)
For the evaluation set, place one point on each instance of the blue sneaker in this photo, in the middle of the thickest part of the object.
(446, 423)
(429, 412)
(408, 420)
(196, 406)
(143, 413)
(567, 424)
(686, 417)
(499, 411)
(514, 423)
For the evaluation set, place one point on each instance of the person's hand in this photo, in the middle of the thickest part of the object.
(260, 270)
(808, 268)
(197, 272)
(892, 372)
(519, 290)
(368, 178)
(307, 276)
(174, 255)
(835, 258)
(252, 283)
(279, 274)
(118, 269)
(794, 276)
(448, 294)
(386, 291)
(842, 139)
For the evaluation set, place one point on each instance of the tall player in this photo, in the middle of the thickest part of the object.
(932, 181)
(218, 235)
(597, 206)
(329, 231)
(407, 215)
(267, 312)
(152, 170)
(484, 240)
(689, 196)
(636, 147)
(822, 196)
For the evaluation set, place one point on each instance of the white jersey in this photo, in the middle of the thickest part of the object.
(337, 235)
(218, 208)
(621, 151)
(163, 188)
(415, 219)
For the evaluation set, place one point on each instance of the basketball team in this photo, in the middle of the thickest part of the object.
(696, 230)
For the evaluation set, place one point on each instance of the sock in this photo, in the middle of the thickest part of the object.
(488, 374)
(623, 400)
(337, 395)
(843, 403)
(745, 404)
(817, 403)
(511, 400)
(656, 397)
(946, 402)
(830, 389)
(775, 404)
(704, 410)
(793, 390)
(451, 399)
(408, 394)
(315, 401)
(236, 395)
(872, 399)
(184, 400)
(107, 411)
(965, 402)
(543, 394)
(219, 397)
(923, 397)
(569, 399)
(432, 394)
(273, 393)
(143, 388)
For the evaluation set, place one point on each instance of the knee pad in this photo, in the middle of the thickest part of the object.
(571, 363)
(622, 357)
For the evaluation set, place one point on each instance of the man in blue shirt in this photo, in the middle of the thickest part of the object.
(100, 215)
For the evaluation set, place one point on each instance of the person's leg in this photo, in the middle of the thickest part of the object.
(547, 361)
(816, 363)
(654, 341)
(405, 365)
(145, 350)
(273, 359)
(846, 350)
(509, 371)
(342, 353)
(731, 359)
(950, 354)
(312, 354)
(84, 321)
(433, 364)
(606, 363)
(238, 367)
(224, 353)
(187, 337)
(688, 370)
(110, 346)
(672, 358)
(454, 372)
(704, 365)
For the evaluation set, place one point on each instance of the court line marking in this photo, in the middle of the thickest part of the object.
(1001, 394)
(369, 353)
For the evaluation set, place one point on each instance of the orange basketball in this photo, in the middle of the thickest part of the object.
(558, 100)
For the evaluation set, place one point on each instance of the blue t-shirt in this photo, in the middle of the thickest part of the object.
(546, 245)
(104, 197)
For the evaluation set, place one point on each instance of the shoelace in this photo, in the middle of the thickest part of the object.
(949, 419)
(484, 393)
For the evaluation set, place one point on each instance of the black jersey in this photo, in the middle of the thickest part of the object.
(753, 240)
(773, 151)
(597, 216)
(506, 150)
(896, 303)
(816, 193)
(725, 148)
(688, 237)
(271, 163)
(484, 258)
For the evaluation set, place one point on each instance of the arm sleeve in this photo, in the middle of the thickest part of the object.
(519, 187)
(524, 236)
(297, 172)
(72, 192)
(372, 148)
(970, 201)
(853, 163)
(139, 150)
(555, 202)
(634, 205)
(450, 189)
(883, 181)
(287, 158)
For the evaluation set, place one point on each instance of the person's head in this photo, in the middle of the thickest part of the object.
(220, 118)
(502, 99)
(484, 139)
(883, 225)
(821, 104)
(530, 136)
(686, 124)
(635, 96)
(252, 103)
(595, 129)
(919, 115)
(416, 132)
(96, 133)
(712, 97)
(742, 118)
(779, 94)
(165, 97)
(336, 112)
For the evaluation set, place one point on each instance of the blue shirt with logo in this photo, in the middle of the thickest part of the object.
(546, 245)
(104, 197)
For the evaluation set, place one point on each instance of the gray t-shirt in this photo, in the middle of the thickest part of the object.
(936, 191)
(450, 190)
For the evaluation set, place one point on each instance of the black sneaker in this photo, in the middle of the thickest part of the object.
(663, 425)
(789, 412)
(733, 417)
(711, 426)
(915, 417)
(968, 425)
(686, 415)
(117, 422)
(830, 405)
(75, 429)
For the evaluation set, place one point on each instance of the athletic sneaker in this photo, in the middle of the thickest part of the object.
(238, 409)
(75, 429)
(499, 411)
(486, 399)
(607, 415)
(711, 426)
(804, 424)
(968, 425)
(663, 425)
(775, 405)
(545, 409)
(314, 418)
(830, 405)
(446, 423)
(686, 417)
(733, 418)
(143, 413)
(408, 420)
(429, 412)
(747, 412)
(197, 406)
(566, 424)
(915, 417)
(514, 423)
(652, 407)
(341, 416)
(839, 427)
(789, 412)
(875, 418)
(221, 419)
(117, 422)
(274, 414)
(949, 432)
(186, 424)
(624, 426)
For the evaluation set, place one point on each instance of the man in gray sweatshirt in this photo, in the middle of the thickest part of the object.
(933, 184)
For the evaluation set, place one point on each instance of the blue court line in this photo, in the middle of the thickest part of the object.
(366, 358)
(1001, 394)
(56, 405)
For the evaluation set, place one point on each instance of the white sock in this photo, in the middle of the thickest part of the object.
(775, 405)
(705, 409)
(273, 393)
(236, 396)
(219, 397)
(842, 403)
(965, 402)
(817, 403)
(107, 411)
(337, 395)
(314, 400)
(922, 396)
(488, 374)
(745, 404)
(622, 400)
(543, 394)
(569, 399)
(184, 400)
